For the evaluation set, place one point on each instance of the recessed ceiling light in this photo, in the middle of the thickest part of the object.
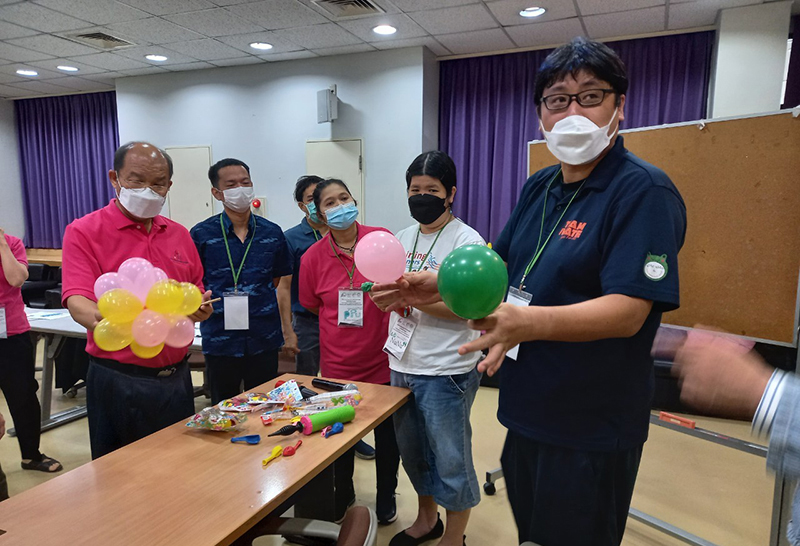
(384, 30)
(67, 68)
(261, 45)
(533, 12)
(156, 58)
(23, 72)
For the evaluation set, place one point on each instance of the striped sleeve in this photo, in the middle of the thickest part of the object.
(765, 413)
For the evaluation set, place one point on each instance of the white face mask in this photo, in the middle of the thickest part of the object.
(576, 140)
(239, 199)
(141, 202)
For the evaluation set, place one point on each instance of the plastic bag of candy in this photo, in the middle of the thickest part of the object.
(213, 418)
(337, 398)
(236, 404)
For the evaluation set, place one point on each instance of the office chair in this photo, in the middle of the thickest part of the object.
(359, 528)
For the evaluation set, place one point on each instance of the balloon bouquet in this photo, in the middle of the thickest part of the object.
(144, 309)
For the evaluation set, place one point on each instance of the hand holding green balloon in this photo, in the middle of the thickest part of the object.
(473, 281)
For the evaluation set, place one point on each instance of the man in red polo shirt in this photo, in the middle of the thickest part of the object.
(129, 397)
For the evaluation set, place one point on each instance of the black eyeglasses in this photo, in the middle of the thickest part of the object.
(590, 97)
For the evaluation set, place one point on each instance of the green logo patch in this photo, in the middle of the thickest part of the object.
(655, 267)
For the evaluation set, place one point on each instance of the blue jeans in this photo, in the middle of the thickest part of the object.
(435, 437)
(306, 326)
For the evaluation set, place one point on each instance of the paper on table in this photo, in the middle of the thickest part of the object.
(46, 314)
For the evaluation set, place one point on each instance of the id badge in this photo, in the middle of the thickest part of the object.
(520, 298)
(351, 308)
(3, 330)
(236, 309)
(399, 337)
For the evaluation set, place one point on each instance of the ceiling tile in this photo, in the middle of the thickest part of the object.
(418, 5)
(21, 55)
(138, 53)
(9, 31)
(53, 45)
(6, 91)
(406, 27)
(206, 50)
(164, 7)
(98, 12)
(11, 78)
(276, 14)
(230, 2)
(189, 66)
(542, 34)
(507, 11)
(214, 22)
(144, 71)
(639, 21)
(700, 12)
(11, 69)
(452, 20)
(80, 84)
(42, 87)
(248, 59)
(429, 42)
(593, 7)
(318, 36)
(243, 41)
(344, 50)
(291, 56)
(107, 77)
(479, 41)
(154, 31)
(109, 61)
(40, 18)
(52, 65)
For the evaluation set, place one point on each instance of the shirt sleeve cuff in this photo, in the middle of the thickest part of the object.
(765, 413)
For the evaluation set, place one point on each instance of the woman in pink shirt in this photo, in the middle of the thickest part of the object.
(17, 379)
(352, 332)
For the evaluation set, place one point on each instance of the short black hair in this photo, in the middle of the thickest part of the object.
(324, 184)
(213, 171)
(302, 185)
(435, 164)
(122, 151)
(581, 54)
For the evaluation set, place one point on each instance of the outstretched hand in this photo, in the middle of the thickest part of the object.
(413, 289)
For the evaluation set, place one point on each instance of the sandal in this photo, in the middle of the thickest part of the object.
(44, 465)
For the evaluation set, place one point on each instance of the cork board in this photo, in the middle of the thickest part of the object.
(740, 179)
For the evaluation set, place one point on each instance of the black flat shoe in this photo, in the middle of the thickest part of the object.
(403, 539)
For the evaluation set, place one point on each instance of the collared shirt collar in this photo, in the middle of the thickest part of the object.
(118, 219)
(226, 221)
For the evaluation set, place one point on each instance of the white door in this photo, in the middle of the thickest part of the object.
(340, 159)
(189, 201)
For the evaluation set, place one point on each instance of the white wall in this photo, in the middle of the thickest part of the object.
(264, 114)
(750, 59)
(12, 216)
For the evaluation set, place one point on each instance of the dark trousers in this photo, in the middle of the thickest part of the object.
(3, 486)
(387, 462)
(232, 375)
(19, 385)
(306, 326)
(125, 407)
(567, 497)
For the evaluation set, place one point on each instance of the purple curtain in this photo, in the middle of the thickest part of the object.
(66, 147)
(792, 96)
(487, 115)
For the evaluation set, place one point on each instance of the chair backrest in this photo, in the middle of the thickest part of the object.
(359, 528)
(37, 272)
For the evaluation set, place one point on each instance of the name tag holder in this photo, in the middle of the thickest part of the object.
(520, 298)
(350, 308)
(236, 310)
(399, 337)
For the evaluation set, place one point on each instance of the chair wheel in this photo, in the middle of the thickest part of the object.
(489, 488)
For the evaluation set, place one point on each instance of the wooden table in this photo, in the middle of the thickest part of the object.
(182, 486)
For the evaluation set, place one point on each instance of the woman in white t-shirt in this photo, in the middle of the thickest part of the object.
(433, 429)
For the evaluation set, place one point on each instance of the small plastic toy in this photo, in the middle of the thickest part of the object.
(267, 419)
(335, 428)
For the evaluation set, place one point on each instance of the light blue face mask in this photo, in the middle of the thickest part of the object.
(341, 216)
(312, 212)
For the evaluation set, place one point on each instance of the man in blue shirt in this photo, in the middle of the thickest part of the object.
(592, 252)
(244, 256)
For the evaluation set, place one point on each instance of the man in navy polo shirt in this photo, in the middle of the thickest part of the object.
(244, 257)
(591, 248)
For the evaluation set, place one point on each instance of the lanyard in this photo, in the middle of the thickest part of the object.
(539, 246)
(414, 252)
(350, 272)
(316, 235)
(228, 250)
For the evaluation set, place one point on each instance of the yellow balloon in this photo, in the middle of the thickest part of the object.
(192, 298)
(146, 352)
(119, 305)
(165, 297)
(112, 336)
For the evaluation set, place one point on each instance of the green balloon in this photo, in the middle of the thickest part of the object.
(472, 281)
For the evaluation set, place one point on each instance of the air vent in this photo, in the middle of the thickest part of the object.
(349, 8)
(99, 40)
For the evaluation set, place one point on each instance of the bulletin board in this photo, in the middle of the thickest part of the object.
(740, 179)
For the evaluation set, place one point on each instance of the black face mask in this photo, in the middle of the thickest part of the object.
(426, 208)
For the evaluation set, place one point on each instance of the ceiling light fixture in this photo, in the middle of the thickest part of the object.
(384, 30)
(533, 12)
(156, 58)
(67, 68)
(261, 45)
(23, 72)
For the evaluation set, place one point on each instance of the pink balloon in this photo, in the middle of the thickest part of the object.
(380, 257)
(150, 328)
(133, 267)
(142, 284)
(181, 334)
(160, 275)
(106, 282)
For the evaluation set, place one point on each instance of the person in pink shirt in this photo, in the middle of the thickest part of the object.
(352, 332)
(128, 397)
(17, 356)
